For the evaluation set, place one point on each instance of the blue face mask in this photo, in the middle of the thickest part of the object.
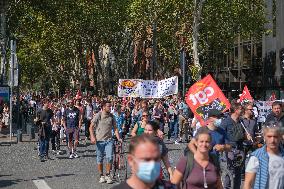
(217, 122)
(148, 171)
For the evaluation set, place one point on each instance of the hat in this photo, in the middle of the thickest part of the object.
(214, 113)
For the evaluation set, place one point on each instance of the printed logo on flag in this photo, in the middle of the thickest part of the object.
(205, 95)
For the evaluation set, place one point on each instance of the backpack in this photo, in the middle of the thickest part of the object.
(190, 163)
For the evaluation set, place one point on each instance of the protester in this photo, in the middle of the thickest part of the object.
(265, 166)
(72, 122)
(5, 115)
(152, 128)
(140, 125)
(248, 120)
(173, 122)
(158, 114)
(203, 173)
(101, 134)
(236, 135)
(144, 159)
(219, 140)
(276, 116)
(120, 119)
(56, 127)
(89, 111)
(183, 126)
(43, 120)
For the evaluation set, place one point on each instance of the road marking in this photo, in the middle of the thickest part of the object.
(41, 184)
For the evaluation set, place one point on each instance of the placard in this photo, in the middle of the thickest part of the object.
(147, 88)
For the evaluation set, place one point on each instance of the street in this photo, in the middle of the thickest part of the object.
(20, 168)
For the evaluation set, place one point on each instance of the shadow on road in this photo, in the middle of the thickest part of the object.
(6, 183)
(83, 151)
(60, 175)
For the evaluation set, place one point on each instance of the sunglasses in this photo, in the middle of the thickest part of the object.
(144, 115)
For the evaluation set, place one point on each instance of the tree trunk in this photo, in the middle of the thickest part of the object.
(99, 71)
(198, 4)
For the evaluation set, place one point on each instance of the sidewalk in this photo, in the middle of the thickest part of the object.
(5, 137)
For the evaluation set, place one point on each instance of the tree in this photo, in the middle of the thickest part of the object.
(56, 39)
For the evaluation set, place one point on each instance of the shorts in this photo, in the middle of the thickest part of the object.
(104, 147)
(72, 134)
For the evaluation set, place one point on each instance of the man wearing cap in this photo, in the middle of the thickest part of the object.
(219, 140)
(72, 122)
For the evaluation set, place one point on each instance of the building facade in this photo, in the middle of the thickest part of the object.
(259, 64)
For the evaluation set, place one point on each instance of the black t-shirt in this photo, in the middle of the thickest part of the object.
(235, 131)
(72, 117)
(45, 115)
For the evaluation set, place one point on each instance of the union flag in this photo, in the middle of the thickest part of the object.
(245, 96)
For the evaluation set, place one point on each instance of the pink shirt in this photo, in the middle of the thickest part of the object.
(195, 179)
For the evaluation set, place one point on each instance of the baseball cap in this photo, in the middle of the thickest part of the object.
(215, 113)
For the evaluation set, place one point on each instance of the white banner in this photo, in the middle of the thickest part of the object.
(264, 108)
(147, 88)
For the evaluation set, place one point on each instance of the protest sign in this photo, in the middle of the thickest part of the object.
(147, 88)
(264, 108)
(129, 87)
(167, 87)
(205, 95)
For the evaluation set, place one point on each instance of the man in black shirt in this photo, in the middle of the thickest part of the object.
(43, 120)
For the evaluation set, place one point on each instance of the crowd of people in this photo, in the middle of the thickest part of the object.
(253, 152)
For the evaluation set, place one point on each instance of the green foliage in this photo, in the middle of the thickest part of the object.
(54, 36)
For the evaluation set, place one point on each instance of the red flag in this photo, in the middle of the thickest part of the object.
(205, 95)
(245, 96)
(272, 97)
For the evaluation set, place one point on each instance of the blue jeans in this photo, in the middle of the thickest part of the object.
(44, 141)
(162, 125)
(173, 129)
(43, 146)
(104, 148)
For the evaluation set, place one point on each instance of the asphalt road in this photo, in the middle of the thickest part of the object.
(20, 167)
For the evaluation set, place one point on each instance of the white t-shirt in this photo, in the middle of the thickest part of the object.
(197, 126)
(275, 167)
